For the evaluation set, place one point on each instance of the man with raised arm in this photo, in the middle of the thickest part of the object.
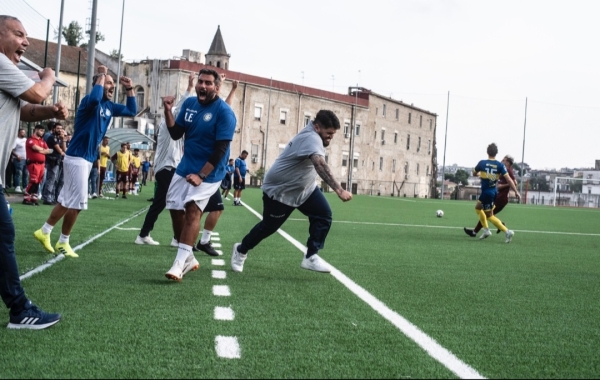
(93, 118)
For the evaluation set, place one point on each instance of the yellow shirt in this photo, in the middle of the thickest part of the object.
(122, 163)
(104, 159)
(136, 161)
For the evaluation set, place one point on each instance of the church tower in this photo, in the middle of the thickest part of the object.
(217, 54)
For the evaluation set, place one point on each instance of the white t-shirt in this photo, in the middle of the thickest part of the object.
(13, 83)
(20, 146)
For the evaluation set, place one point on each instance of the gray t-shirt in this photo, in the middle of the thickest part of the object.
(292, 178)
(13, 83)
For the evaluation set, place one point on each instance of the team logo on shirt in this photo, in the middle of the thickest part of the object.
(208, 117)
(108, 113)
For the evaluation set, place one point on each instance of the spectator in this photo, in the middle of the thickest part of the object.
(93, 179)
(19, 156)
(104, 157)
(55, 142)
(134, 169)
(36, 159)
(146, 165)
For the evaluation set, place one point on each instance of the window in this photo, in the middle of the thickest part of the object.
(419, 145)
(376, 111)
(406, 170)
(428, 146)
(384, 109)
(139, 97)
(394, 166)
(375, 136)
(257, 112)
(395, 137)
(427, 173)
(397, 114)
(408, 142)
(254, 153)
(430, 124)
(357, 129)
(306, 120)
(418, 169)
(346, 128)
(345, 159)
(382, 134)
(420, 121)
(355, 162)
(282, 117)
(409, 117)
(380, 163)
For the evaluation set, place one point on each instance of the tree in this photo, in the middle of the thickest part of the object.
(539, 184)
(449, 177)
(73, 33)
(461, 177)
(517, 169)
(115, 54)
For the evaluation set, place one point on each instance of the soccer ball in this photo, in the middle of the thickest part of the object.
(439, 213)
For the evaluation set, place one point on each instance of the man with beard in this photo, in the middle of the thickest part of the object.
(18, 97)
(290, 184)
(208, 124)
(93, 117)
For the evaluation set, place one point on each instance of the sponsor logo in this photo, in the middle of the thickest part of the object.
(208, 117)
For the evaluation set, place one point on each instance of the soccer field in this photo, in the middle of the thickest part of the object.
(411, 296)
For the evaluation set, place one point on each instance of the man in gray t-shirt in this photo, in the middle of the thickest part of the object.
(17, 93)
(291, 184)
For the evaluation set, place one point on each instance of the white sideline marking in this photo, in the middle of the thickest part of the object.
(219, 252)
(80, 246)
(448, 227)
(128, 229)
(218, 263)
(219, 274)
(221, 291)
(216, 245)
(433, 348)
(212, 238)
(215, 234)
(224, 314)
(227, 347)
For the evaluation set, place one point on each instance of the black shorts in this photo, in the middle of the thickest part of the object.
(237, 185)
(215, 203)
(122, 177)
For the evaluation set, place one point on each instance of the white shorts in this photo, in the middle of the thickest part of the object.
(74, 194)
(181, 193)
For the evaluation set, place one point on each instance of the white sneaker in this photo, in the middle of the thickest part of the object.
(509, 235)
(94, 196)
(237, 259)
(191, 265)
(146, 240)
(18, 189)
(486, 233)
(176, 272)
(89, 196)
(174, 243)
(315, 263)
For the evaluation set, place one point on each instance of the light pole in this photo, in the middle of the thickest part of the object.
(58, 51)
(91, 49)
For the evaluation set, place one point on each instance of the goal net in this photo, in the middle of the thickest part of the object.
(577, 191)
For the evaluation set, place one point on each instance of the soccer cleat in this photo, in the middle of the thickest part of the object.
(509, 235)
(174, 243)
(470, 232)
(146, 240)
(176, 272)
(237, 259)
(207, 248)
(316, 264)
(32, 318)
(486, 233)
(65, 249)
(191, 265)
(44, 239)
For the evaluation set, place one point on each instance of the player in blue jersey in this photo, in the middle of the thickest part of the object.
(208, 124)
(93, 118)
(490, 171)
(239, 178)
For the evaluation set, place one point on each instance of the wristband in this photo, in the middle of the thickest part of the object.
(128, 88)
(202, 176)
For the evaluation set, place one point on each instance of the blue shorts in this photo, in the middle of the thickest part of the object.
(487, 199)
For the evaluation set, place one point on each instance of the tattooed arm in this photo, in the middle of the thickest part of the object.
(325, 173)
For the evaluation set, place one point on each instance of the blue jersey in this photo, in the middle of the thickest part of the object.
(230, 169)
(204, 125)
(145, 166)
(241, 164)
(490, 172)
(93, 117)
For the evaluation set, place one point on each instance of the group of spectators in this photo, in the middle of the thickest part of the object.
(35, 167)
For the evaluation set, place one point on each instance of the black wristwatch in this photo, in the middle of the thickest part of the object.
(202, 176)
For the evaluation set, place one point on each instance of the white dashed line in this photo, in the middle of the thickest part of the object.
(224, 314)
(218, 263)
(212, 238)
(219, 274)
(221, 291)
(216, 245)
(227, 347)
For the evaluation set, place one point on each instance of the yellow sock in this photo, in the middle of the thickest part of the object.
(498, 223)
(482, 218)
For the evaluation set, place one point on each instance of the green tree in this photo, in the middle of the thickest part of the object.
(539, 184)
(517, 169)
(114, 53)
(449, 177)
(73, 33)
(461, 177)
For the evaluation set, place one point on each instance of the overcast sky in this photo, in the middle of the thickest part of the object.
(489, 55)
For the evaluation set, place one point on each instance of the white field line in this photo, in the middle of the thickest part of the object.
(224, 314)
(221, 291)
(448, 227)
(227, 347)
(80, 246)
(127, 229)
(433, 348)
(218, 263)
(219, 274)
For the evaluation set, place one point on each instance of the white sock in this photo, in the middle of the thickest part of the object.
(183, 253)
(63, 238)
(205, 236)
(47, 229)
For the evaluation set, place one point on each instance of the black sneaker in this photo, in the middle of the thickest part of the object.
(124, 196)
(207, 248)
(32, 318)
(470, 232)
(29, 203)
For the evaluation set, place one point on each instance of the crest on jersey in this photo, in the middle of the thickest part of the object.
(208, 117)
(108, 113)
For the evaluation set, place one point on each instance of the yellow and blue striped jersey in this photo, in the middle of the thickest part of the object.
(489, 171)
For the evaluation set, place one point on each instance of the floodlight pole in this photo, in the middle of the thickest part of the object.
(445, 140)
(523, 155)
(91, 58)
(58, 51)
(116, 98)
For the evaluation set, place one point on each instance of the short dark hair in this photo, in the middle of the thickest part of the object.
(51, 125)
(39, 126)
(492, 150)
(136, 150)
(244, 152)
(509, 159)
(213, 73)
(123, 145)
(327, 119)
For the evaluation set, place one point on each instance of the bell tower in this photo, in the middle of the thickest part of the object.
(217, 54)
